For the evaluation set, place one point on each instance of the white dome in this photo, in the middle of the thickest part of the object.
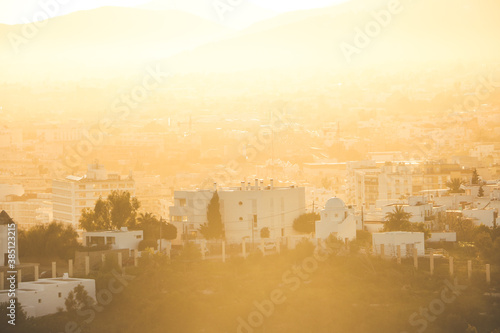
(334, 204)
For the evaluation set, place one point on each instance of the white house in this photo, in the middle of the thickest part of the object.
(118, 239)
(5, 232)
(245, 210)
(337, 220)
(480, 216)
(417, 206)
(46, 296)
(407, 241)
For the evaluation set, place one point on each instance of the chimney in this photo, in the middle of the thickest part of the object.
(272, 183)
(215, 186)
(243, 186)
(256, 184)
(262, 184)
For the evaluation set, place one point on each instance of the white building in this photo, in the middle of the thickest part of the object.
(336, 219)
(5, 221)
(72, 194)
(117, 239)
(406, 240)
(46, 296)
(245, 210)
(480, 216)
(417, 206)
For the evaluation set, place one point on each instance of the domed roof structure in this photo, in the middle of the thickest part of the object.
(334, 204)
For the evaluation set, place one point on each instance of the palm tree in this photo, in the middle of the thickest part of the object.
(146, 218)
(454, 184)
(397, 220)
(149, 224)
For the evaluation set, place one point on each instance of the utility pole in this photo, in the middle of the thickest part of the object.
(252, 233)
(362, 217)
(161, 224)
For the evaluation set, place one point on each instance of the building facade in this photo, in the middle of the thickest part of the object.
(245, 210)
(336, 220)
(72, 194)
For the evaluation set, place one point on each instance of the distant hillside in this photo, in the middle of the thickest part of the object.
(424, 30)
(104, 37)
(112, 40)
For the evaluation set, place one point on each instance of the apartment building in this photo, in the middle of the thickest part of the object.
(245, 210)
(72, 194)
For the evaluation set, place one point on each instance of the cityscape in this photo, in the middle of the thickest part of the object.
(250, 166)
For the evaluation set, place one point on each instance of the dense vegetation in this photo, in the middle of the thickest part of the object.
(118, 210)
(306, 223)
(347, 292)
(53, 240)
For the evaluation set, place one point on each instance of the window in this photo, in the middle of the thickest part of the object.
(138, 236)
(39, 300)
(240, 203)
(255, 221)
(81, 187)
(110, 240)
(59, 295)
(182, 202)
(241, 219)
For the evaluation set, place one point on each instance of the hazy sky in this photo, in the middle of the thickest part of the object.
(15, 11)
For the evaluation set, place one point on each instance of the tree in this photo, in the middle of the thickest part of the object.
(306, 223)
(155, 229)
(213, 229)
(149, 224)
(48, 240)
(123, 209)
(23, 322)
(475, 177)
(169, 231)
(484, 244)
(462, 226)
(364, 238)
(77, 299)
(397, 220)
(98, 218)
(480, 193)
(265, 232)
(118, 210)
(454, 185)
